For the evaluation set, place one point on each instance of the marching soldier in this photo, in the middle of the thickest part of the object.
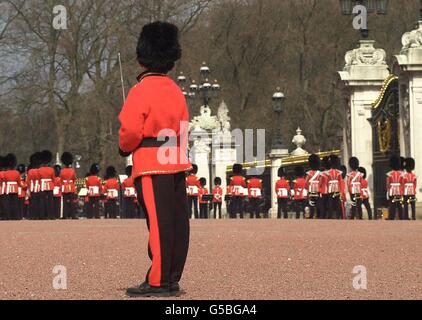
(334, 179)
(365, 193)
(217, 199)
(129, 195)
(94, 186)
(354, 184)
(203, 203)
(57, 192)
(394, 189)
(192, 188)
(13, 182)
(47, 185)
(313, 183)
(111, 190)
(282, 189)
(68, 180)
(238, 183)
(33, 181)
(300, 192)
(255, 196)
(409, 185)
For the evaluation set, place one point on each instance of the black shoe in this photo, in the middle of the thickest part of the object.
(175, 290)
(145, 290)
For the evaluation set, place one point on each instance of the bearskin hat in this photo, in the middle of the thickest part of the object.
(325, 163)
(128, 171)
(1, 162)
(10, 161)
(158, 47)
(46, 157)
(217, 181)
(95, 169)
(194, 169)
(57, 170)
(334, 162)
(21, 168)
(203, 181)
(343, 170)
(110, 172)
(299, 171)
(395, 163)
(354, 163)
(402, 163)
(410, 164)
(67, 159)
(237, 169)
(363, 171)
(281, 172)
(314, 162)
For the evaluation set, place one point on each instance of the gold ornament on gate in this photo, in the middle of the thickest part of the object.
(384, 135)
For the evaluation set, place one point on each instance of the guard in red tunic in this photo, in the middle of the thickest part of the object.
(13, 182)
(300, 192)
(154, 127)
(282, 189)
(409, 186)
(33, 182)
(365, 194)
(354, 184)
(129, 195)
(47, 176)
(238, 183)
(334, 181)
(313, 183)
(22, 192)
(111, 191)
(57, 192)
(255, 196)
(3, 212)
(94, 185)
(217, 199)
(203, 203)
(69, 192)
(192, 189)
(394, 189)
(343, 170)
(323, 209)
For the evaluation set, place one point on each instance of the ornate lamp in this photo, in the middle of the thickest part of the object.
(278, 99)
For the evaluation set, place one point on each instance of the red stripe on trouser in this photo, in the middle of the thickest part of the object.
(154, 276)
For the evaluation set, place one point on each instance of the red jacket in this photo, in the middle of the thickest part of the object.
(394, 183)
(238, 183)
(128, 187)
(354, 182)
(313, 181)
(323, 183)
(202, 191)
(111, 189)
(155, 104)
(364, 189)
(409, 184)
(57, 190)
(68, 177)
(282, 188)
(218, 194)
(13, 180)
(192, 185)
(33, 181)
(334, 180)
(93, 183)
(255, 188)
(47, 176)
(300, 189)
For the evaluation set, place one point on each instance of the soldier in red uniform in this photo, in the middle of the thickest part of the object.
(94, 186)
(192, 188)
(155, 104)
(22, 192)
(217, 199)
(335, 180)
(282, 189)
(13, 182)
(255, 195)
(238, 183)
(354, 184)
(47, 175)
(57, 192)
(409, 186)
(323, 210)
(343, 170)
(33, 182)
(3, 212)
(129, 195)
(394, 189)
(68, 180)
(228, 198)
(365, 194)
(111, 191)
(313, 184)
(300, 193)
(203, 203)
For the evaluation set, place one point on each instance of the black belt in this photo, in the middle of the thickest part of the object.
(153, 143)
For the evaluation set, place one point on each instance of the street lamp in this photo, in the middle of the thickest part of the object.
(278, 99)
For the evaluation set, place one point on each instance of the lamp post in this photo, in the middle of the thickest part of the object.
(278, 99)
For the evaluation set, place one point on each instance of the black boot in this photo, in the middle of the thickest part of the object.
(145, 290)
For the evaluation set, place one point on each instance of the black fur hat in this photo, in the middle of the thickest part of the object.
(158, 47)
(314, 162)
(129, 171)
(217, 181)
(343, 170)
(95, 169)
(354, 163)
(21, 168)
(334, 162)
(1, 162)
(281, 172)
(46, 157)
(203, 181)
(57, 170)
(67, 159)
(363, 171)
(110, 172)
(194, 169)
(402, 163)
(237, 169)
(395, 163)
(326, 163)
(299, 172)
(410, 164)
(10, 161)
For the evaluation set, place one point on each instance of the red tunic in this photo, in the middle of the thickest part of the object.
(33, 181)
(354, 182)
(68, 177)
(334, 180)
(57, 191)
(217, 192)
(2, 184)
(238, 183)
(93, 183)
(394, 183)
(282, 188)
(409, 184)
(111, 189)
(47, 176)
(13, 181)
(192, 185)
(255, 188)
(364, 189)
(155, 104)
(313, 181)
(202, 191)
(128, 187)
(324, 183)
(300, 189)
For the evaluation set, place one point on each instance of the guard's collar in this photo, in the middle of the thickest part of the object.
(146, 74)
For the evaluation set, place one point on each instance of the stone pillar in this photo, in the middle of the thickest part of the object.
(410, 62)
(276, 157)
(363, 76)
(223, 157)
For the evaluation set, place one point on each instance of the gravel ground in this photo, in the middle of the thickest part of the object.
(250, 259)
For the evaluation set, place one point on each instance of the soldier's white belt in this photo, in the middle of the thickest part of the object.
(192, 190)
(112, 193)
(282, 192)
(255, 192)
(130, 192)
(11, 187)
(45, 184)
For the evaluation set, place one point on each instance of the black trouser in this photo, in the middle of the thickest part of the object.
(217, 206)
(237, 207)
(35, 206)
(314, 205)
(254, 207)
(129, 209)
(282, 208)
(367, 205)
(12, 207)
(110, 209)
(323, 207)
(193, 201)
(395, 208)
(409, 200)
(22, 208)
(203, 210)
(93, 208)
(164, 199)
(69, 208)
(300, 207)
(57, 206)
(356, 211)
(4, 210)
(46, 205)
(334, 206)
